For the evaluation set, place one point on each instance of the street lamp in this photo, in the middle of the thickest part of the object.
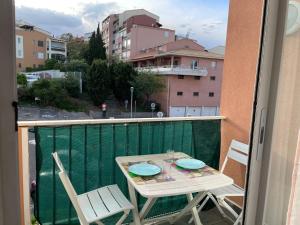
(131, 100)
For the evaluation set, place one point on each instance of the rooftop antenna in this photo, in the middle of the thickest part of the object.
(188, 33)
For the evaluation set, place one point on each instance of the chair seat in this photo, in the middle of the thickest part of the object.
(231, 190)
(103, 202)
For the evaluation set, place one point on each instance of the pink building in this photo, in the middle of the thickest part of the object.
(192, 76)
(127, 34)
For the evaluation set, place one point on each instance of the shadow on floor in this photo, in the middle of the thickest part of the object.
(209, 217)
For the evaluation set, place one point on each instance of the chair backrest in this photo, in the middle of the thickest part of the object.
(238, 152)
(68, 187)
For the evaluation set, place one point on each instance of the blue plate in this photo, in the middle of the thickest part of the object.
(144, 169)
(191, 164)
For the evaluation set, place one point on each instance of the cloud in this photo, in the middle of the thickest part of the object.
(50, 20)
(94, 13)
(205, 20)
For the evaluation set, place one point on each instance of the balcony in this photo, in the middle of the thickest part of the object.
(175, 70)
(88, 149)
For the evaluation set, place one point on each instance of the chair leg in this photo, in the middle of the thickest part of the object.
(121, 220)
(99, 223)
(239, 219)
(222, 202)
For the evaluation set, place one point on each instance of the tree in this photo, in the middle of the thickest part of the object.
(98, 81)
(122, 75)
(96, 49)
(146, 84)
(101, 51)
(77, 50)
(67, 37)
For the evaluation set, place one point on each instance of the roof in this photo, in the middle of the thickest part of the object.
(218, 50)
(180, 52)
(21, 24)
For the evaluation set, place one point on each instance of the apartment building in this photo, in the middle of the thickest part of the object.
(192, 75)
(127, 34)
(35, 45)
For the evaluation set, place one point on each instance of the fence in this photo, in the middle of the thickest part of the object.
(88, 152)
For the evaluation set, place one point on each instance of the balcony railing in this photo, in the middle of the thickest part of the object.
(88, 149)
(175, 70)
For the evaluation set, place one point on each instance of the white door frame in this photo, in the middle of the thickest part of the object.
(10, 212)
(262, 125)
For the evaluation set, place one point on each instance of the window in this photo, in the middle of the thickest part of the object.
(194, 64)
(40, 55)
(196, 94)
(213, 64)
(179, 93)
(20, 54)
(34, 66)
(211, 94)
(180, 77)
(20, 65)
(213, 78)
(197, 78)
(40, 43)
(114, 41)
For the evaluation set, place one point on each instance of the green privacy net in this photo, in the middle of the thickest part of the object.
(88, 153)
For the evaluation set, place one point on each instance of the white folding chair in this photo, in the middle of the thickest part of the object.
(93, 206)
(238, 152)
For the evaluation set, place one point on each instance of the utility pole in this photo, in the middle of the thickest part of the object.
(131, 100)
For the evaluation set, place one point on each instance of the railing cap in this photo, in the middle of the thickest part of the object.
(112, 121)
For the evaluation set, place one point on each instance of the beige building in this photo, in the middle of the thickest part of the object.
(34, 45)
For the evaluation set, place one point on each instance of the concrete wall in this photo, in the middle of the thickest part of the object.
(240, 69)
(31, 48)
(148, 37)
(143, 20)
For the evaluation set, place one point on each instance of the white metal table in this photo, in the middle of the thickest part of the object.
(180, 184)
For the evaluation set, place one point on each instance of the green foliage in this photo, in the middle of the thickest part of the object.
(122, 75)
(98, 81)
(71, 84)
(146, 84)
(76, 50)
(21, 80)
(75, 66)
(50, 92)
(50, 64)
(96, 49)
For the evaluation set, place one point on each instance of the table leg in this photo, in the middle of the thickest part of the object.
(189, 206)
(147, 207)
(194, 210)
(135, 211)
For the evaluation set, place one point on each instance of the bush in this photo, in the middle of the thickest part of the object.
(22, 80)
(24, 94)
(98, 82)
(72, 85)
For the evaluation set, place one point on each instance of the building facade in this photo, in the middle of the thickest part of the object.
(132, 31)
(35, 45)
(192, 77)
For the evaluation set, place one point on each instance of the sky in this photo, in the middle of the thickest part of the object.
(205, 20)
